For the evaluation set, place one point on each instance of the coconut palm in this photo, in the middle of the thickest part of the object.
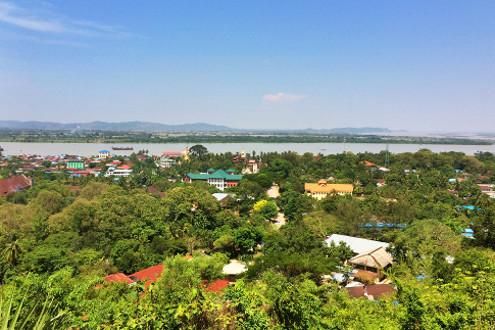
(12, 251)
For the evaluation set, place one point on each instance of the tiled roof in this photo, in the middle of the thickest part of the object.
(118, 277)
(374, 291)
(148, 274)
(323, 187)
(172, 154)
(218, 174)
(13, 184)
(218, 285)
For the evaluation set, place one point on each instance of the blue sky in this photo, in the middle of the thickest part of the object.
(416, 65)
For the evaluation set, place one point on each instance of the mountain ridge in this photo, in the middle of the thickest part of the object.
(152, 127)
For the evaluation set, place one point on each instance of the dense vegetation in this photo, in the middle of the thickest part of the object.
(60, 238)
(136, 137)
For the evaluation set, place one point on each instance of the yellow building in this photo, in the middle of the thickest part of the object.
(322, 189)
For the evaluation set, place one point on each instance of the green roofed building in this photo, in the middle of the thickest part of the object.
(219, 178)
(74, 165)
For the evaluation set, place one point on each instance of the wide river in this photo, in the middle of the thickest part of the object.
(88, 149)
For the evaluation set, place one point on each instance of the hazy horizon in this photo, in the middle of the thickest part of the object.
(416, 66)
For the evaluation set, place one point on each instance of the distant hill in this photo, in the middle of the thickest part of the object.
(350, 130)
(141, 126)
(130, 126)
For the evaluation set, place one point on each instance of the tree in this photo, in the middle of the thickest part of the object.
(12, 251)
(267, 209)
(424, 241)
(198, 151)
(295, 204)
(246, 238)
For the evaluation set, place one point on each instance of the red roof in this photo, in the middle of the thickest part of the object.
(118, 277)
(124, 167)
(150, 274)
(13, 184)
(356, 291)
(172, 154)
(374, 290)
(218, 285)
(369, 164)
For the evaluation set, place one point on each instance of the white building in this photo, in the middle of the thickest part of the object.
(251, 167)
(103, 154)
(358, 245)
(121, 171)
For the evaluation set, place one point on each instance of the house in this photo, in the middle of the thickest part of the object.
(383, 169)
(120, 171)
(252, 167)
(79, 173)
(218, 178)
(372, 292)
(218, 286)
(487, 189)
(103, 154)
(170, 158)
(274, 191)
(74, 165)
(322, 189)
(371, 256)
(358, 245)
(234, 268)
(148, 275)
(374, 261)
(14, 184)
(223, 198)
(369, 164)
(119, 278)
(468, 233)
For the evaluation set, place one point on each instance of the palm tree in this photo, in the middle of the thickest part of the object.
(12, 251)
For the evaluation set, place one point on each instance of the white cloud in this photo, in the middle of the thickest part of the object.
(13, 15)
(283, 98)
(54, 24)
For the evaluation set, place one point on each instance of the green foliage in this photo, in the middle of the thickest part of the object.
(267, 209)
(57, 245)
(295, 204)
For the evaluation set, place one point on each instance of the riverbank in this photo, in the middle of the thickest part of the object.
(89, 149)
(118, 137)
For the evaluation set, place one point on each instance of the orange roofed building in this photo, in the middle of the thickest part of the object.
(322, 189)
(147, 275)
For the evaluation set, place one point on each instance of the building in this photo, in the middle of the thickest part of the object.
(371, 256)
(103, 154)
(169, 159)
(148, 275)
(487, 189)
(371, 292)
(74, 165)
(373, 261)
(322, 189)
(223, 198)
(220, 179)
(120, 171)
(252, 167)
(14, 184)
(273, 191)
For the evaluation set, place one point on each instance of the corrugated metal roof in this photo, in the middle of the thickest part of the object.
(358, 245)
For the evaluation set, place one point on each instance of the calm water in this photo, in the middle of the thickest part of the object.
(88, 149)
